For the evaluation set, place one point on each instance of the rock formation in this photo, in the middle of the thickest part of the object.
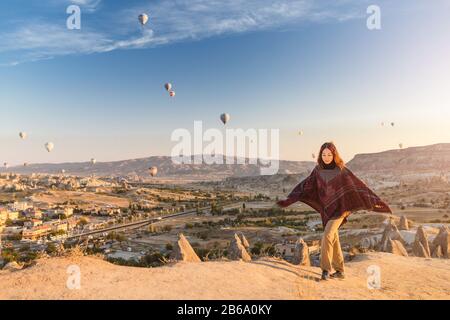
(237, 250)
(244, 241)
(420, 247)
(404, 224)
(396, 247)
(442, 240)
(183, 251)
(390, 232)
(437, 252)
(301, 253)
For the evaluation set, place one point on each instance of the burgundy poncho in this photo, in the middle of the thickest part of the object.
(332, 192)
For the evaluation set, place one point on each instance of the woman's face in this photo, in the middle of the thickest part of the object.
(327, 156)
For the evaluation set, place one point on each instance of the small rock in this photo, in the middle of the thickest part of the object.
(237, 250)
(421, 247)
(183, 251)
(12, 266)
(396, 247)
(443, 240)
(244, 241)
(437, 252)
(404, 224)
(301, 253)
(390, 232)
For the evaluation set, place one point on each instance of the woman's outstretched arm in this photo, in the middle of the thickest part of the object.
(303, 191)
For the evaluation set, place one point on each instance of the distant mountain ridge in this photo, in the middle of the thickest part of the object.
(429, 158)
(166, 168)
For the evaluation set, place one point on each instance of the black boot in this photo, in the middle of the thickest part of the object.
(337, 275)
(325, 275)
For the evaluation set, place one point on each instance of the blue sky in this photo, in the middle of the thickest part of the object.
(286, 64)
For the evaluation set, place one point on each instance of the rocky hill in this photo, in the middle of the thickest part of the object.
(423, 160)
(430, 158)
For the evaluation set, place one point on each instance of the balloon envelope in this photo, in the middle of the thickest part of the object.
(168, 86)
(93, 161)
(49, 146)
(153, 171)
(172, 93)
(23, 135)
(225, 117)
(143, 18)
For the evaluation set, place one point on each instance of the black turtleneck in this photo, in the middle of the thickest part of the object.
(329, 166)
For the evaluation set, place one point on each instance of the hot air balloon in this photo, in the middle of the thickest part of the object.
(225, 117)
(143, 18)
(392, 124)
(172, 93)
(400, 145)
(382, 124)
(63, 171)
(168, 86)
(22, 135)
(313, 156)
(5, 164)
(49, 146)
(93, 161)
(153, 171)
(300, 133)
(25, 164)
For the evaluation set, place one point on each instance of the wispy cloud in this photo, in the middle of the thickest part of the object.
(88, 5)
(170, 21)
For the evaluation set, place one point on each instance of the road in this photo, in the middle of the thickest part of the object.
(141, 223)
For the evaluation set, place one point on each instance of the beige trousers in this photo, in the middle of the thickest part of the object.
(330, 251)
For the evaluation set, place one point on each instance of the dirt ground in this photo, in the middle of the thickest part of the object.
(266, 278)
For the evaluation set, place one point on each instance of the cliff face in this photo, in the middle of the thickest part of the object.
(432, 158)
(260, 279)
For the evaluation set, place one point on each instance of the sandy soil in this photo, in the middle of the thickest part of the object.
(267, 278)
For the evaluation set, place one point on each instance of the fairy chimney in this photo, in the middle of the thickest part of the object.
(420, 247)
(442, 240)
(244, 241)
(404, 224)
(237, 250)
(390, 232)
(183, 251)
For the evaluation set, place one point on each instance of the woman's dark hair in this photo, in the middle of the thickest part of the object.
(336, 157)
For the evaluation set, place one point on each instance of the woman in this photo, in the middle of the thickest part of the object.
(334, 191)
